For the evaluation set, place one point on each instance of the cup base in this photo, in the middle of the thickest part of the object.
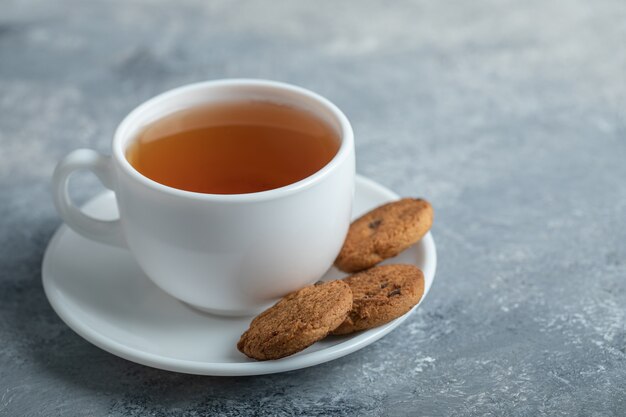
(229, 313)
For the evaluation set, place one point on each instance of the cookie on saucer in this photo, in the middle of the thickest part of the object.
(380, 295)
(297, 321)
(384, 232)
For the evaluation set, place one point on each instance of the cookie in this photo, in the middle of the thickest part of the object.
(380, 295)
(297, 321)
(383, 233)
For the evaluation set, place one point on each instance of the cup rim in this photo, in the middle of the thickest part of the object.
(346, 137)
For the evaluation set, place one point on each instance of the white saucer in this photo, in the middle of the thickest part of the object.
(101, 293)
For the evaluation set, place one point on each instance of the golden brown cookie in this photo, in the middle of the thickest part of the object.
(297, 321)
(383, 233)
(380, 295)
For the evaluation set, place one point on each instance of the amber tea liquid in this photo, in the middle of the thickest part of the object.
(233, 148)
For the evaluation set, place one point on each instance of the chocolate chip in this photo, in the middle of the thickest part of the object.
(384, 284)
(391, 293)
(375, 224)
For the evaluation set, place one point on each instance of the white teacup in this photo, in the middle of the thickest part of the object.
(230, 254)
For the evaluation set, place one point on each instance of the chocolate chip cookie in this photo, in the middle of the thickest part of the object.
(380, 295)
(297, 321)
(384, 232)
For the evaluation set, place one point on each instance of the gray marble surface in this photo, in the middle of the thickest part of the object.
(508, 115)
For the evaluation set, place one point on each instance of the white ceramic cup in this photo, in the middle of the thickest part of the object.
(230, 254)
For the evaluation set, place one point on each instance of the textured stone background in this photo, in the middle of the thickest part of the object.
(508, 115)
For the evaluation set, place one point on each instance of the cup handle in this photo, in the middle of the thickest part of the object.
(104, 231)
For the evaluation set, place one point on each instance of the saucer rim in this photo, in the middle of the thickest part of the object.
(351, 344)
